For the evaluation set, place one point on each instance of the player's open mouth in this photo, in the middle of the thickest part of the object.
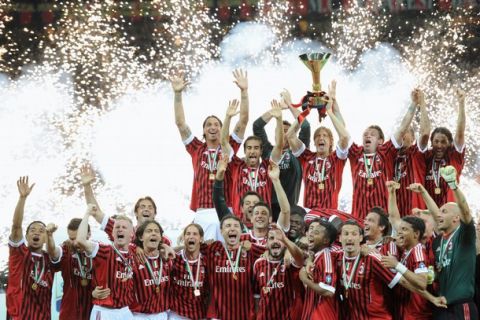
(120, 236)
(36, 238)
(191, 242)
(368, 141)
(232, 236)
(276, 246)
(146, 215)
(321, 144)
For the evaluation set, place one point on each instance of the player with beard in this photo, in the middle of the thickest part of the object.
(372, 165)
(297, 223)
(320, 285)
(251, 174)
(76, 268)
(113, 267)
(189, 287)
(323, 169)
(145, 208)
(230, 272)
(406, 168)
(151, 279)
(412, 266)
(445, 150)
(30, 278)
(376, 229)
(276, 279)
(290, 169)
(455, 255)
(205, 154)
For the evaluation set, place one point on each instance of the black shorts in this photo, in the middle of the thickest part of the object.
(464, 311)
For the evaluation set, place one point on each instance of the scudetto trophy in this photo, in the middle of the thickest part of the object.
(315, 99)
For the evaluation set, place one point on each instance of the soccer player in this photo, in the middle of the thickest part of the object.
(205, 154)
(230, 272)
(30, 279)
(290, 169)
(275, 278)
(322, 170)
(406, 169)
(413, 266)
(297, 223)
(189, 287)
(76, 268)
(320, 293)
(363, 278)
(113, 267)
(376, 229)
(151, 279)
(251, 174)
(372, 165)
(455, 254)
(445, 150)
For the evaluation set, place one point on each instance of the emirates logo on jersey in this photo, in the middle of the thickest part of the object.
(361, 269)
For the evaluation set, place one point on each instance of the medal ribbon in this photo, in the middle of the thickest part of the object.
(189, 270)
(127, 265)
(237, 260)
(36, 275)
(347, 280)
(274, 273)
(81, 263)
(398, 168)
(320, 174)
(253, 181)
(444, 248)
(436, 173)
(212, 159)
(152, 274)
(368, 166)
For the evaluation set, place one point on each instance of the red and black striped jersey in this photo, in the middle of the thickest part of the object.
(366, 280)
(183, 300)
(151, 283)
(324, 274)
(29, 287)
(262, 241)
(110, 270)
(246, 179)
(231, 288)
(204, 162)
(77, 293)
(433, 181)
(370, 172)
(275, 286)
(322, 178)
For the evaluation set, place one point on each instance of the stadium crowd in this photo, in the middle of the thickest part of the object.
(407, 250)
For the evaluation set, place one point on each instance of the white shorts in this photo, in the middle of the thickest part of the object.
(102, 313)
(151, 316)
(175, 316)
(208, 219)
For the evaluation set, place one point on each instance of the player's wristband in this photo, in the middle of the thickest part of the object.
(401, 268)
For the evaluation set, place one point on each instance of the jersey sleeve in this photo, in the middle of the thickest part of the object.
(259, 131)
(256, 285)
(305, 132)
(192, 144)
(382, 273)
(419, 262)
(257, 251)
(327, 277)
(467, 233)
(354, 151)
(389, 149)
(235, 142)
(107, 226)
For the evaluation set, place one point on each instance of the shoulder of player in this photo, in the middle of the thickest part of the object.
(375, 256)
(260, 262)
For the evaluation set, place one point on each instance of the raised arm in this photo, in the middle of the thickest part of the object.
(295, 251)
(343, 134)
(406, 121)
(460, 133)
(87, 176)
(425, 124)
(225, 132)
(53, 251)
(219, 201)
(24, 190)
(178, 84)
(284, 216)
(449, 174)
(82, 232)
(429, 202)
(276, 112)
(241, 80)
(259, 131)
(393, 213)
(332, 94)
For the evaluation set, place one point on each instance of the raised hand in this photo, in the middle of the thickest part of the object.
(392, 186)
(286, 98)
(178, 82)
(232, 108)
(449, 174)
(23, 188)
(416, 187)
(222, 163)
(51, 228)
(273, 171)
(241, 78)
(276, 111)
(87, 175)
(460, 95)
(332, 90)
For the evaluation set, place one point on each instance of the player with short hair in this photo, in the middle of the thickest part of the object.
(206, 154)
(377, 228)
(30, 279)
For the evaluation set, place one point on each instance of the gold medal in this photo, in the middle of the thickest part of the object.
(370, 181)
(321, 186)
(246, 245)
(157, 289)
(234, 276)
(34, 286)
(266, 290)
(84, 282)
(196, 292)
(438, 190)
(211, 176)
